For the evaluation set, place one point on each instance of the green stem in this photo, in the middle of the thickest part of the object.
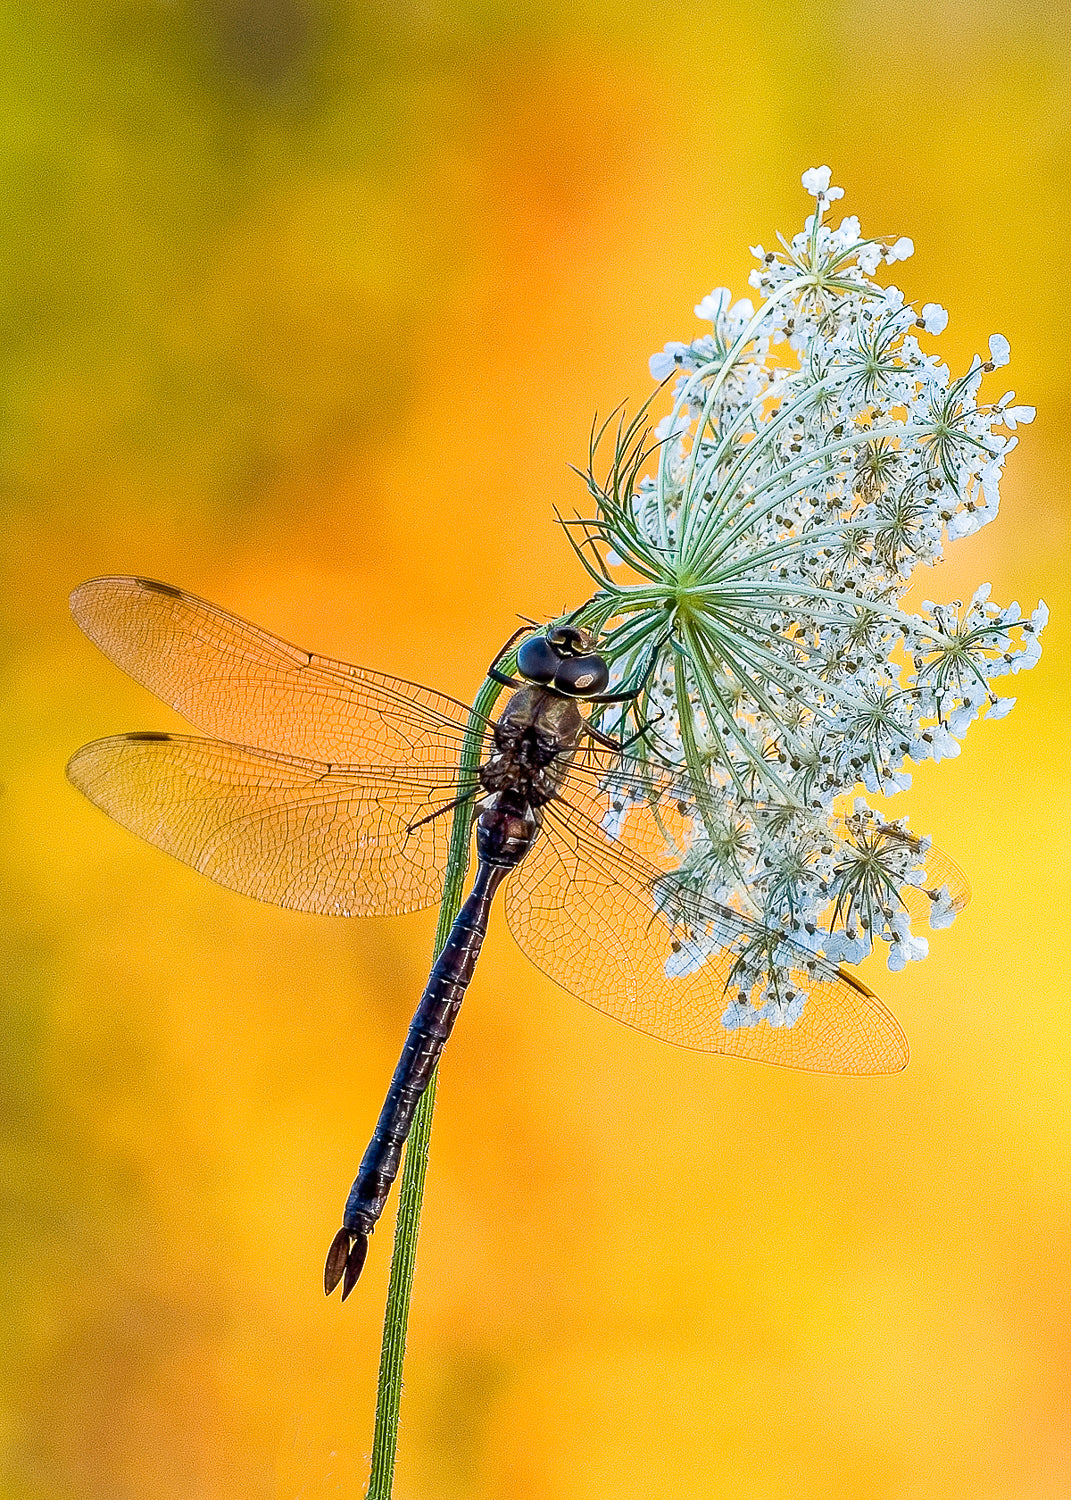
(411, 1195)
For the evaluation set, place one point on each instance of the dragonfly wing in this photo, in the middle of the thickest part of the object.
(940, 874)
(647, 806)
(242, 684)
(650, 808)
(584, 908)
(297, 833)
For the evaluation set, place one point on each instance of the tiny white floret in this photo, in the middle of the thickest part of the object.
(714, 304)
(1013, 415)
(934, 317)
(901, 250)
(816, 180)
(1000, 707)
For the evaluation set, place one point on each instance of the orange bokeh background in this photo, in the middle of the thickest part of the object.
(308, 306)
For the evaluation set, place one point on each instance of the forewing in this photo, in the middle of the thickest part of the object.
(584, 909)
(242, 684)
(297, 833)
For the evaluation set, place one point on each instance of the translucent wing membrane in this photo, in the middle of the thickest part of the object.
(297, 833)
(649, 807)
(645, 805)
(939, 874)
(587, 911)
(236, 681)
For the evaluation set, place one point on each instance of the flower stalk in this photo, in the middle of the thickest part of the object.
(414, 1171)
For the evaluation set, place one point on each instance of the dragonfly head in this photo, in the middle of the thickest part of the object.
(563, 659)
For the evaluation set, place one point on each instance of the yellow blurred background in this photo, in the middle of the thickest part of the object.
(308, 305)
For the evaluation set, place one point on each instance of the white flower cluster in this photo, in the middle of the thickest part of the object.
(814, 455)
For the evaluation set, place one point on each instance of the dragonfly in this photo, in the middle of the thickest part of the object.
(323, 787)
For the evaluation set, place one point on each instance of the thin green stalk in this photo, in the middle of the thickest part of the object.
(411, 1195)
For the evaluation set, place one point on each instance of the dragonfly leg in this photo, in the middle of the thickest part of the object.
(493, 672)
(445, 808)
(621, 745)
(634, 693)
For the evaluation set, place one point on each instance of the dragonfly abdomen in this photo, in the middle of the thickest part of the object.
(429, 1030)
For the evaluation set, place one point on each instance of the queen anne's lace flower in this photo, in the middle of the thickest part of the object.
(815, 454)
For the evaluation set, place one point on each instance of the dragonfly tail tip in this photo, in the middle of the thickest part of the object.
(345, 1257)
(354, 1263)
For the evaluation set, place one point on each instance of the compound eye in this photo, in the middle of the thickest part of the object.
(537, 660)
(582, 676)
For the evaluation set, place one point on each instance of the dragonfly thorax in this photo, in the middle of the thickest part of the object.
(533, 742)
